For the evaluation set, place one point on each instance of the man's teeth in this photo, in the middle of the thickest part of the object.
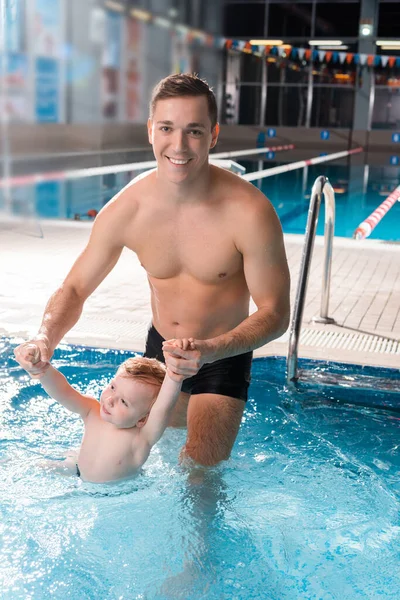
(175, 161)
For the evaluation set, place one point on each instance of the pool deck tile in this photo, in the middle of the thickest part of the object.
(364, 299)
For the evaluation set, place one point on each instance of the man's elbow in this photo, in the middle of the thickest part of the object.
(283, 320)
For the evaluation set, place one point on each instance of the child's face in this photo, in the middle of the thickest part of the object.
(125, 402)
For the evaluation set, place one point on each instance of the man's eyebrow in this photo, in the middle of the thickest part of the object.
(194, 124)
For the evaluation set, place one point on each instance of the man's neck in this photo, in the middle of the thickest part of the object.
(189, 191)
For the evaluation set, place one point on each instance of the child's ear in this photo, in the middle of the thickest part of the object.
(142, 421)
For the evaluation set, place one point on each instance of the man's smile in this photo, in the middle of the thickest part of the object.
(179, 161)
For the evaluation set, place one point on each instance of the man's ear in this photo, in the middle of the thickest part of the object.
(214, 134)
(150, 130)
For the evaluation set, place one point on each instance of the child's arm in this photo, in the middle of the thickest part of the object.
(166, 400)
(56, 385)
(161, 410)
(58, 388)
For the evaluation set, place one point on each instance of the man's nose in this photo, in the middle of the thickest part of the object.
(179, 141)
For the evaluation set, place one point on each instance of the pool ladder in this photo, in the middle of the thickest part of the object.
(321, 187)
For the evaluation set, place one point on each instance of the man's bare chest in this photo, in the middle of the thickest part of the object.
(203, 249)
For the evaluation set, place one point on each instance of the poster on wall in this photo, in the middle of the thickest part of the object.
(46, 43)
(111, 67)
(135, 69)
(47, 90)
(13, 86)
(13, 26)
(47, 28)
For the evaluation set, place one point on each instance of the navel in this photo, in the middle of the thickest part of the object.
(221, 275)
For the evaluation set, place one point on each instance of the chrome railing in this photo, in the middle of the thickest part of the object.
(321, 186)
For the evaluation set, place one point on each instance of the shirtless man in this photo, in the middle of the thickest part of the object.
(207, 240)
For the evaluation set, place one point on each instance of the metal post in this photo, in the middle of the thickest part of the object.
(321, 186)
(310, 71)
(328, 243)
(264, 72)
(4, 116)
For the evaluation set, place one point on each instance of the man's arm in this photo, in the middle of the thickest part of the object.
(260, 241)
(92, 266)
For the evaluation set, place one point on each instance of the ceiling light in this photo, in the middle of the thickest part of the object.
(333, 47)
(111, 4)
(266, 42)
(387, 43)
(325, 42)
(365, 29)
(390, 47)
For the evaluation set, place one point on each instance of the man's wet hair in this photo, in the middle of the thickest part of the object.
(181, 85)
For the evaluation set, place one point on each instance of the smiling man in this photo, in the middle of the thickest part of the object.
(207, 240)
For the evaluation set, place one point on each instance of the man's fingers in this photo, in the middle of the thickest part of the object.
(33, 353)
(175, 351)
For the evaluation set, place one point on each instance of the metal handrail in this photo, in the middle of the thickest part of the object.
(321, 186)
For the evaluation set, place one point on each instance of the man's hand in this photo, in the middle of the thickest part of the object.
(185, 357)
(34, 356)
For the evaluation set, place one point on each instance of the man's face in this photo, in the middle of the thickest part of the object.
(181, 136)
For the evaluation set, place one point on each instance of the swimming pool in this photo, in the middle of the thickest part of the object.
(306, 508)
(359, 189)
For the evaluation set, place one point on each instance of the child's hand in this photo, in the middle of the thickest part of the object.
(28, 355)
(183, 344)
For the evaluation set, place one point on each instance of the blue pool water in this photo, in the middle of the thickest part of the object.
(307, 507)
(354, 200)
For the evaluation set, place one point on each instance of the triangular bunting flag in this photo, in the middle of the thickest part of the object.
(384, 60)
(240, 45)
(349, 57)
(363, 59)
(342, 56)
(321, 55)
(301, 52)
(392, 60)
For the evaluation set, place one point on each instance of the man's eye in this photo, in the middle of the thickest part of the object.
(196, 132)
(123, 402)
(165, 128)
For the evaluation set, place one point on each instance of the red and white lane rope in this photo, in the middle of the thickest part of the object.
(22, 180)
(366, 227)
(299, 164)
(252, 151)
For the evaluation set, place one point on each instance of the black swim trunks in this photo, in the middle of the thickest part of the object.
(77, 470)
(228, 376)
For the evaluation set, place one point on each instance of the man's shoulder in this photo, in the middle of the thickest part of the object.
(239, 193)
(126, 201)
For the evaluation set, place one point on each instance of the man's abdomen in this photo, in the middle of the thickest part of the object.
(188, 308)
